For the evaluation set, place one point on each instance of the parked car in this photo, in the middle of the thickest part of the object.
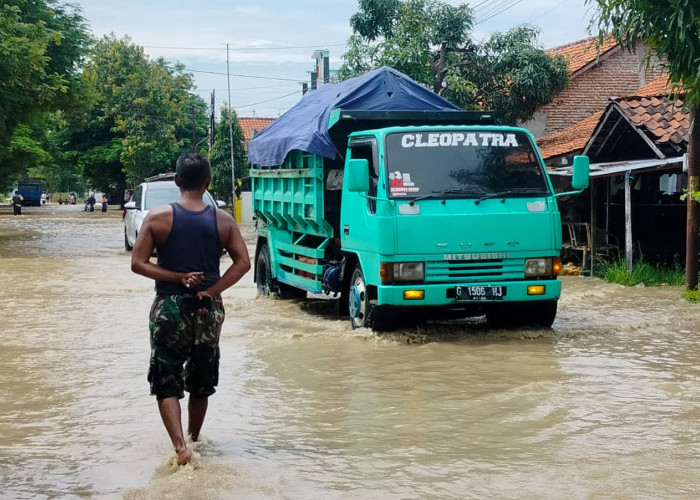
(159, 190)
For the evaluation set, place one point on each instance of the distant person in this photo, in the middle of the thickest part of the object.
(91, 202)
(104, 203)
(73, 198)
(17, 203)
(60, 200)
(187, 313)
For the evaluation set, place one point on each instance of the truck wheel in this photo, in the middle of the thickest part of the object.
(364, 314)
(127, 247)
(532, 314)
(263, 271)
(359, 306)
(541, 314)
(286, 292)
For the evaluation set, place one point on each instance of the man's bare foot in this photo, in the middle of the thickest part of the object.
(184, 457)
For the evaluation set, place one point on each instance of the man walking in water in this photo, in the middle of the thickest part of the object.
(17, 203)
(187, 313)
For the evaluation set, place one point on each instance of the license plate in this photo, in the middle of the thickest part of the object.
(479, 292)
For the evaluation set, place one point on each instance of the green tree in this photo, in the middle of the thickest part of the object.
(220, 158)
(138, 116)
(672, 31)
(42, 43)
(430, 41)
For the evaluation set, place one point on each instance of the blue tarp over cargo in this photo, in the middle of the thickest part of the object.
(305, 126)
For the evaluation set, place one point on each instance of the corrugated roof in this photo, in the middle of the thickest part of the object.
(568, 140)
(609, 169)
(581, 53)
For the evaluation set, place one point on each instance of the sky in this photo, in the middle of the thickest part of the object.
(271, 42)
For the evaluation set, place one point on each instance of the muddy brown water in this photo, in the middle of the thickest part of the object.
(606, 403)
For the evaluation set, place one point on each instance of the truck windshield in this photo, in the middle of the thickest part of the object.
(463, 164)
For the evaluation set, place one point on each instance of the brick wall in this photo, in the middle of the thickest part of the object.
(618, 74)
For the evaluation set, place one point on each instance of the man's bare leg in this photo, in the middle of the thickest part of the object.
(171, 414)
(196, 410)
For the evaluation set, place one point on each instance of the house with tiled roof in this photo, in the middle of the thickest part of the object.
(636, 146)
(595, 75)
(251, 126)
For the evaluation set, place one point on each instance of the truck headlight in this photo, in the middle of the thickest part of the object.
(402, 271)
(548, 266)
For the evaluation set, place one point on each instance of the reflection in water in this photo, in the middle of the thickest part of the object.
(604, 404)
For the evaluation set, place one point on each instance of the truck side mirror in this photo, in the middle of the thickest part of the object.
(579, 178)
(357, 175)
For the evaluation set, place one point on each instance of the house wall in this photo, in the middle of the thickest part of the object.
(617, 74)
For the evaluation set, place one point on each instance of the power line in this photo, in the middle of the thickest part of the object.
(268, 100)
(497, 9)
(240, 76)
(550, 10)
(246, 48)
(282, 85)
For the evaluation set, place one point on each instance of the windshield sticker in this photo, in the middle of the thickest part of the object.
(453, 139)
(401, 184)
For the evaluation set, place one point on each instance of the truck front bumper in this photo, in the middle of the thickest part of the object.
(437, 295)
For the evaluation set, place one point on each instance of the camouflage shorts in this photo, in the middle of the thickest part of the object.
(184, 348)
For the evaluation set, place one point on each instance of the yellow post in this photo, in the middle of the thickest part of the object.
(238, 202)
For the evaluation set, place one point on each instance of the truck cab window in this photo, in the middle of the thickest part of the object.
(366, 150)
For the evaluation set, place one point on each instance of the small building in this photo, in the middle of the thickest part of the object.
(636, 146)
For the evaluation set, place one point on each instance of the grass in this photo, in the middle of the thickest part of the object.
(692, 296)
(642, 273)
(648, 275)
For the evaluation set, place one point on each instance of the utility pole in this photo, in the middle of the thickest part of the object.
(212, 121)
(194, 132)
(691, 235)
(230, 135)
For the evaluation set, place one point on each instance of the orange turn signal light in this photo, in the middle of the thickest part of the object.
(536, 289)
(413, 294)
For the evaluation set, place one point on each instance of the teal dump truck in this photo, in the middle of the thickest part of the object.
(406, 207)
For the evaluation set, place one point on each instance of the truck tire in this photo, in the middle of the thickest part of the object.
(263, 271)
(364, 314)
(287, 292)
(541, 314)
(532, 314)
(127, 247)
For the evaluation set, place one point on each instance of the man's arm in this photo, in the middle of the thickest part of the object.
(143, 249)
(237, 250)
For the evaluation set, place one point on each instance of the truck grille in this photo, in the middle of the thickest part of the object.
(475, 270)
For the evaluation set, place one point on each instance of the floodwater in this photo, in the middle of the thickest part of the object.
(606, 404)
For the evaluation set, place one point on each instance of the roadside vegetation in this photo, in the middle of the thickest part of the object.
(644, 273)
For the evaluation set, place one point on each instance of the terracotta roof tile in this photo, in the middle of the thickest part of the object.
(662, 119)
(583, 52)
(251, 126)
(569, 140)
(657, 87)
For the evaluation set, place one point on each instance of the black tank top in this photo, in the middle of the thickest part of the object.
(193, 245)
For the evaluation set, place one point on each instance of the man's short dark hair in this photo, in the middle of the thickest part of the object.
(192, 171)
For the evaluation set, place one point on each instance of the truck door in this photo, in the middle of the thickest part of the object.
(359, 224)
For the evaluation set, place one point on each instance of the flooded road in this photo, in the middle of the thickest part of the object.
(607, 403)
